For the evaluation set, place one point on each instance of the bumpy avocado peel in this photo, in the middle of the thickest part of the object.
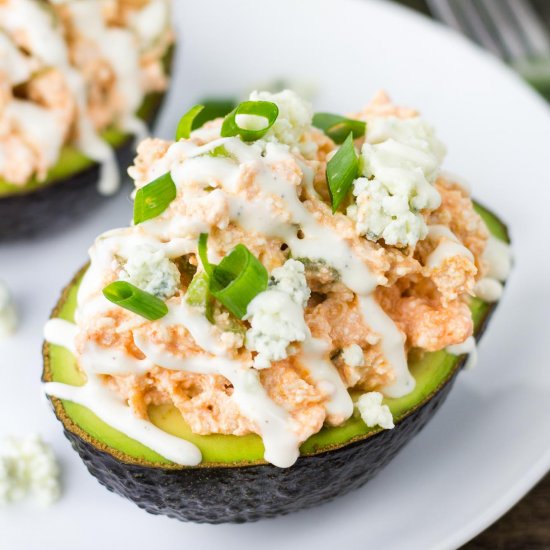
(233, 484)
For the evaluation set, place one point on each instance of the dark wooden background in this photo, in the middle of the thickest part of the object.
(527, 525)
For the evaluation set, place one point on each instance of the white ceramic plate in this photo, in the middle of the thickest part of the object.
(491, 441)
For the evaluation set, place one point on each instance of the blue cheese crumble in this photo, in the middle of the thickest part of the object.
(400, 161)
(149, 269)
(277, 315)
(294, 120)
(353, 356)
(373, 412)
(28, 466)
(291, 278)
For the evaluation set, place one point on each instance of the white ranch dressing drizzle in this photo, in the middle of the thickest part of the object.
(498, 256)
(319, 242)
(117, 45)
(61, 333)
(108, 406)
(488, 290)
(47, 44)
(120, 48)
(113, 362)
(151, 21)
(198, 326)
(114, 411)
(276, 426)
(448, 247)
(40, 126)
(95, 359)
(121, 243)
(14, 65)
(467, 347)
(393, 346)
(314, 359)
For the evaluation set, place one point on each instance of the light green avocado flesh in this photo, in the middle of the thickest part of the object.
(430, 370)
(71, 161)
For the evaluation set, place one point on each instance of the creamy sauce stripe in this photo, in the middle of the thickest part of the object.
(448, 246)
(468, 347)
(499, 259)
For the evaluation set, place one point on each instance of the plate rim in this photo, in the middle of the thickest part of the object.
(540, 468)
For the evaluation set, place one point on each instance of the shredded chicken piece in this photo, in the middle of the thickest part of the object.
(382, 106)
(457, 212)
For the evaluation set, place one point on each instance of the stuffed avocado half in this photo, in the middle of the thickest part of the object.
(84, 80)
(292, 303)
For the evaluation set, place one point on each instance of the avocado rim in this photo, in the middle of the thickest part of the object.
(70, 426)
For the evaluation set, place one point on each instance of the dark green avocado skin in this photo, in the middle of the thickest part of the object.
(248, 493)
(55, 206)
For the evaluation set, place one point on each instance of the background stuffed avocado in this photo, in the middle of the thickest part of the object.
(70, 188)
(234, 484)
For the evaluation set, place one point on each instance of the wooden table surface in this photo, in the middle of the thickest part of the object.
(527, 525)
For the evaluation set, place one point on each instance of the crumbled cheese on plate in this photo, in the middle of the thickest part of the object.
(28, 466)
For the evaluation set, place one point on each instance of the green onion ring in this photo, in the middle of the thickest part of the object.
(213, 108)
(265, 109)
(338, 128)
(185, 125)
(237, 279)
(203, 254)
(154, 198)
(342, 169)
(198, 294)
(132, 298)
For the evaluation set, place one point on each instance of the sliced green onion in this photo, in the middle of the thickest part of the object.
(220, 151)
(132, 298)
(185, 125)
(342, 169)
(265, 109)
(237, 279)
(203, 254)
(198, 290)
(200, 114)
(154, 198)
(338, 128)
(198, 294)
(213, 108)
